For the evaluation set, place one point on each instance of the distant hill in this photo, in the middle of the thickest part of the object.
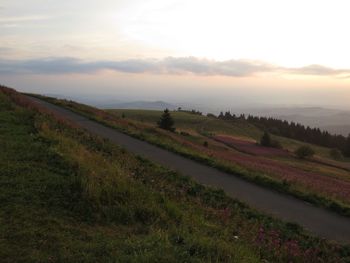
(332, 120)
(337, 123)
(338, 129)
(142, 105)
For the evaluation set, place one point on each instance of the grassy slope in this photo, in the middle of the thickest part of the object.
(238, 128)
(69, 197)
(187, 121)
(196, 123)
(325, 165)
(65, 200)
(201, 126)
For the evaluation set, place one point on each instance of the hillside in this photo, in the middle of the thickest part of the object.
(319, 180)
(192, 122)
(72, 197)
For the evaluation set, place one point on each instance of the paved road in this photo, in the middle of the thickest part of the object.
(318, 221)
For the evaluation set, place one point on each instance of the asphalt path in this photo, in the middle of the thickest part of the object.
(318, 221)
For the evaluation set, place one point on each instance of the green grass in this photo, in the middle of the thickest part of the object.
(67, 196)
(196, 123)
(141, 124)
(192, 122)
(188, 121)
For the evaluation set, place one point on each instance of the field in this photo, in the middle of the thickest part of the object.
(320, 175)
(192, 122)
(235, 128)
(319, 180)
(67, 196)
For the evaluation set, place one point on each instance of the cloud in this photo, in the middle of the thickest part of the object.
(169, 65)
(235, 68)
(16, 19)
(6, 50)
(318, 70)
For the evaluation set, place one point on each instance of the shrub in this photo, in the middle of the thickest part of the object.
(276, 144)
(268, 142)
(335, 154)
(183, 133)
(205, 144)
(210, 115)
(304, 151)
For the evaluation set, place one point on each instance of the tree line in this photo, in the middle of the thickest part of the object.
(295, 131)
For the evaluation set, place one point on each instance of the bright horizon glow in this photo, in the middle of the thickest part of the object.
(299, 46)
(287, 33)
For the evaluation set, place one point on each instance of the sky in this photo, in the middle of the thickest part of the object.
(221, 52)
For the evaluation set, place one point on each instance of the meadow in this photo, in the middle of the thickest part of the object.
(320, 175)
(68, 196)
(319, 180)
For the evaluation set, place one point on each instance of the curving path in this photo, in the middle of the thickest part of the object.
(318, 221)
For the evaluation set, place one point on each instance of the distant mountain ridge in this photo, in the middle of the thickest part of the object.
(142, 105)
(332, 120)
(337, 129)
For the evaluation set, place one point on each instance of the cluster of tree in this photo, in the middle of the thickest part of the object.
(295, 131)
(195, 112)
(228, 116)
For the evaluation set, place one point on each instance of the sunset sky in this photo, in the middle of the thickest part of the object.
(252, 51)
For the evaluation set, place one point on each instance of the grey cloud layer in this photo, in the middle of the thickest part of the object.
(319, 70)
(170, 65)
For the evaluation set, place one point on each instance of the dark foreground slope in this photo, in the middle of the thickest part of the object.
(67, 196)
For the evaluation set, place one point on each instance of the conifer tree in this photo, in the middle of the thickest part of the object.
(166, 122)
(346, 150)
(265, 139)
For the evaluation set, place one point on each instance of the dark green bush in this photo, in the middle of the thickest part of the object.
(304, 151)
(335, 154)
(267, 141)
